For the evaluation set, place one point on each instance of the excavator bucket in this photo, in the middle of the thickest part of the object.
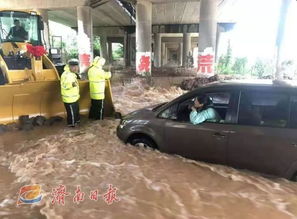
(43, 98)
(109, 110)
(29, 81)
(85, 102)
(32, 87)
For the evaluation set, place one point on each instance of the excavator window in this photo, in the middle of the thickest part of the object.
(20, 27)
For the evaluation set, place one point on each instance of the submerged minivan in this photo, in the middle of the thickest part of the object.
(258, 130)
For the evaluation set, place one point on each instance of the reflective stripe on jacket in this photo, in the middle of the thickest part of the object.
(97, 77)
(69, 87)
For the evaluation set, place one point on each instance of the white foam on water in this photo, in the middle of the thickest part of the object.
(150, 184)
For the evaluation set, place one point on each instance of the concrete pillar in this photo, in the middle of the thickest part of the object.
(85, 36)
(110, 53)
(143, 37)
(166, 55)
(103, 49)
(157, 52)
(180, 54)
(186, 47)
(218, 38)
(127, 43)
(46, 33)
(207, 36)
(133, 51)
(163, 54)
(280, 35)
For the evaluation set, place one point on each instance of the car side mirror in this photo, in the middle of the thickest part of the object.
(118, 115)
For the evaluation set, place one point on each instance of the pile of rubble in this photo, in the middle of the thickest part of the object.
(190, 84)
(174, 72)
(26, 123)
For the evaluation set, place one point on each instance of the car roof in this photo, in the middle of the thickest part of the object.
(252, 84)
(237, 85)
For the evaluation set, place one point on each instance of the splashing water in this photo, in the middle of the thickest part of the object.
(150, 184)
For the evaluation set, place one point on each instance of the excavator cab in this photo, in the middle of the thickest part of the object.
(30, 85)
(21, 27)
(17, 29)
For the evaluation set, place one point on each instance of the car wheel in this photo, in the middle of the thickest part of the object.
(142, 141)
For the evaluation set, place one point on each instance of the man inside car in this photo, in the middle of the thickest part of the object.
(202, 111)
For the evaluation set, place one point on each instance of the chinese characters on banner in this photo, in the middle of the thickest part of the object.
(59, 194)
(85, 60)
(143, 63)
(206, 62)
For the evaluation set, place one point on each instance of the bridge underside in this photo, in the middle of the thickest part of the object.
(166, 32)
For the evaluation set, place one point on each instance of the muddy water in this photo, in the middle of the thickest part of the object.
(150, 184)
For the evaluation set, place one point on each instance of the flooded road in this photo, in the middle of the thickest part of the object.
(149, 184)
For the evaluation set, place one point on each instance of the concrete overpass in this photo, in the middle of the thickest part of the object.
(167, 26)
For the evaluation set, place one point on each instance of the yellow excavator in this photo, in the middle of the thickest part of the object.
(30, 85)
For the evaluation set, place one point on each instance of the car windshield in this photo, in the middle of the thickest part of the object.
(158, 106)
(19, 27)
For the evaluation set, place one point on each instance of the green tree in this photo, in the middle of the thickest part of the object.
(96, 43)
(239, 66)
(262, 68)
(224, 65)
(96, 46)
(118, 52)
(72, 53)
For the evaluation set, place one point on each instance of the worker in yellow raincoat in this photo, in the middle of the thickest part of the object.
(70, 92)
(97, 77)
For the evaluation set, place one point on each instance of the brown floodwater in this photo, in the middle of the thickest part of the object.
(149, 184)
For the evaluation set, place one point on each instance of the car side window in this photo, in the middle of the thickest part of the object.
(263, 109)
(220, 102)
(220, 98)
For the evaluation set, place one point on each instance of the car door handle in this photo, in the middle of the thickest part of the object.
(229, 132)
(219, 135)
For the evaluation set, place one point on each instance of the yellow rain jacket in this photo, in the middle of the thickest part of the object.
(69, 86)
(97, 77)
